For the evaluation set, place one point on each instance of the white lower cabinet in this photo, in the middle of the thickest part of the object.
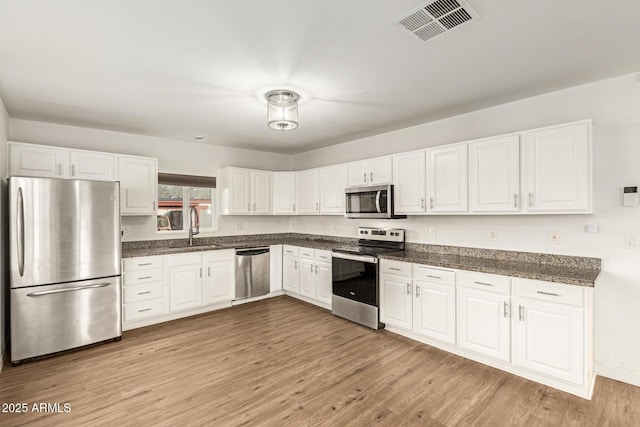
(540, 330)
(307, 273)
(143, 283)
(290, 269)
(185, 281)
(219, 276)
(306, 278)
(323, 282)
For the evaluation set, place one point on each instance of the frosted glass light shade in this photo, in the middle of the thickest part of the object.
(282, 109)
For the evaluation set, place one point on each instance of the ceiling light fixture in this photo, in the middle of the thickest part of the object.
(282, 109)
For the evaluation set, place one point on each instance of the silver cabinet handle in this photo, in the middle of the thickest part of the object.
(295, 265)
(505, 309)
(294, 207)
(59, 168)
(254, 207)
(371, 177)
(394, 269)
(200, 271)
(432, 202)
(144, 293)
(153, 204)
(408, 288)
(515, 200)
(317, 207)
(208, 271)
(365, 177)
(433, 277)
(249, 207)
(548, 293)
(144, 277)
(143, 310)
(73, 170)
(530, 199)
(75, 288)
(422, 202)
(316, 269)
(521, 313)
(483, 283)
(142, 265)
(311, 268)
(418, 291)
(20, 230)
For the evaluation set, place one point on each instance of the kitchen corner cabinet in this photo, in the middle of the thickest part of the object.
(307, 273)
(245, 191)
(284, 193)
(557, 168)
(308, 192)
(409, 176)
(378, 171)
(447, 190)
(138, 185)
(333, 181)
(494, 174)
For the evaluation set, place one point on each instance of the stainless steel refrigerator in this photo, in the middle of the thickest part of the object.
(64, 238)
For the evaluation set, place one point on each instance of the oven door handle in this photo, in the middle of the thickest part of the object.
(378, 194)
(363, 258)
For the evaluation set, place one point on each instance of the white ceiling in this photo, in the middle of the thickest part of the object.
(178, 69)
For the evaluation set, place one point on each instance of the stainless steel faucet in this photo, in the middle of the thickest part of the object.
(194, 224)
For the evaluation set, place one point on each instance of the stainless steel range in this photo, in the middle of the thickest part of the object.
(355, 275)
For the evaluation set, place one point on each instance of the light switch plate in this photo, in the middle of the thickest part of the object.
(632, 241)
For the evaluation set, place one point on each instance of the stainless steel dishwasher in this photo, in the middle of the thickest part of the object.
(252, 272)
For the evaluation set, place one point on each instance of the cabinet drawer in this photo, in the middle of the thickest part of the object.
(142, 263)
(142, 292)
(323, 255)
(434, 275)
(142, 309)
(219, 255)
(485, 282)
(549, 291)
(142, 276)
(396, 267)
(306, 253)
(290, 250)
(184, 259)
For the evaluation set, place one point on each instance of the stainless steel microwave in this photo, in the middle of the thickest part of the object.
(370, 202)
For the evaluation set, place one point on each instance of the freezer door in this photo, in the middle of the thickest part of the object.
(48, 319)
(63, 230)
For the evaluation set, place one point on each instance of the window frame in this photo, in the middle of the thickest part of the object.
(186, 211)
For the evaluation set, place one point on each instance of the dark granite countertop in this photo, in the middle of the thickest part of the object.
(580, 271)
(526, 270)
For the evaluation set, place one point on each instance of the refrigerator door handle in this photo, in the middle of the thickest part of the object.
(20, 226)
(75, 288)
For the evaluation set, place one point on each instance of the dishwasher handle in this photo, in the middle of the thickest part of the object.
(252, 251)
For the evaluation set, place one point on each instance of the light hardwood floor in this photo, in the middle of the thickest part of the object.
(283, 362)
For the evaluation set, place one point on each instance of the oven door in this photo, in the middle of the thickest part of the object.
(355, 277)
(368, 202)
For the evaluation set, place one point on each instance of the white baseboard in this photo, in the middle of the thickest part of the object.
(617, 373)
(246, 300)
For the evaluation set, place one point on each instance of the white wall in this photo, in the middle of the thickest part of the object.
(614, 106)
(173, 156)
(4, 132)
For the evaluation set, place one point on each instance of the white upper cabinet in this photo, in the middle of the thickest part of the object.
(308, 192)
(245, 191)
(38, 161)
(138, 185)
(92, 165)
(557, 169)
(447, 181)
(260, 193)
(284, 193)
(378, 171)
(494, 174)
(333, 181)
(409, 176)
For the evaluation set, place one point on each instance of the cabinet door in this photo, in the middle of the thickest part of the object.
(333, 181)
(290, 273)
(434, 311)
(284, 193)
(396, 301)
(38, 161)
(185, 287)
(381, 171)
(447, 186)
(557, 169)
(92, 165)
(138, 178)
(219, 284)
(550, 339)
(494, 174)
(358, 173)
(409, 176)
(306, 278)
(484, 323)
(239, 190)
(323, 282)
(308, 192)
(260, 192)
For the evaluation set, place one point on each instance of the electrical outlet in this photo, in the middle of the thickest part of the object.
(125, 231)
(432, 232)
(493, 235)
(554, 237)
(632, 241)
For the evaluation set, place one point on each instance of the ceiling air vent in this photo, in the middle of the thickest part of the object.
(433, 18)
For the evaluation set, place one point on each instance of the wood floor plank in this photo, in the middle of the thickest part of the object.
(281, 362)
